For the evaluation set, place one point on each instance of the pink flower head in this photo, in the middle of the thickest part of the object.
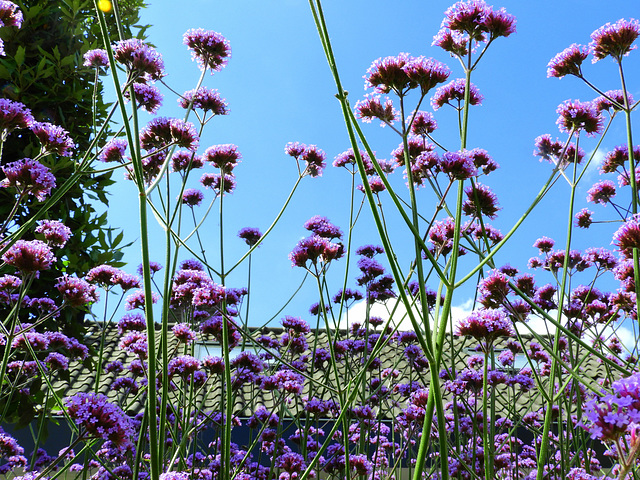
(96, 58)
(53, 139)
(458, 165)
(185, 161)
(148, 97)
(205, 99)
(137, 300)
(618, 158)
(602, 192)
(322, 227)
(373, 107)
(29, 177)
(387, 74)
(627, 237)
(314, 249)
(453, 94)
(480, 201)
(583, 218)
(10, 14)
(141, 59)
(486, 325)
(426, 72)
(295, 149)
(250, 235)
(615, 40)
(568, 62)
(315, 160)
(348, 157)
(183, 333)
(218, 183)
(577, 115)
(76, 292)
(161, 131)
(183, 366)
(29, 256)
(472, 20)
(135, 342)
(54, 232)
(100, 418)
(192, 197)
(224, 157)
(612, 100)
(14, 115)
(423, 123)
(103, 275)
(209, 48)
(113, 151)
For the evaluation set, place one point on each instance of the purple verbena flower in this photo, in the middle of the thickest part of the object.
(132, 322)
(96, 58)
(485, 325)
(137, 300)
(544, 244)
(480, 201)
(76, 292)
(387, 74)
(425, 72)
(250, 235)
(206, 99)
(183, 333)
(602, 192)
(55, 233)
(575, 115)
(53, 139)
(423, 123)
(29, 177)
(348, 158)
(209, 48)
(142, 60)
(454, 92)
(583, 218)
(113, 151)
(612, 100)
(322, 227)
(374, 106)
(147, 96)
(314, 249)
(10, 14)
(192, 197)
(458, 165)
(315, 160)
(627, 237)
(103, 275)
(29, 256)
(184, 366)
(224, 157)
(161, 131)
(295, 325)
(347, 295)
(13, 115)
(57, 361)
(568, 61)
(100, 418)
(135, 342)
(615, 40)
(219, 183)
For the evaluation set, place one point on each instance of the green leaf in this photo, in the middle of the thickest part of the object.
(20, 54)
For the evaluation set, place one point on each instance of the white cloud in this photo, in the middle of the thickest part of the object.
(395, 309)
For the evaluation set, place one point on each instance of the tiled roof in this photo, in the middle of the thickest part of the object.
(323, 384)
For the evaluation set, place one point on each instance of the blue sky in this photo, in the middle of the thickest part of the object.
(279, 89)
